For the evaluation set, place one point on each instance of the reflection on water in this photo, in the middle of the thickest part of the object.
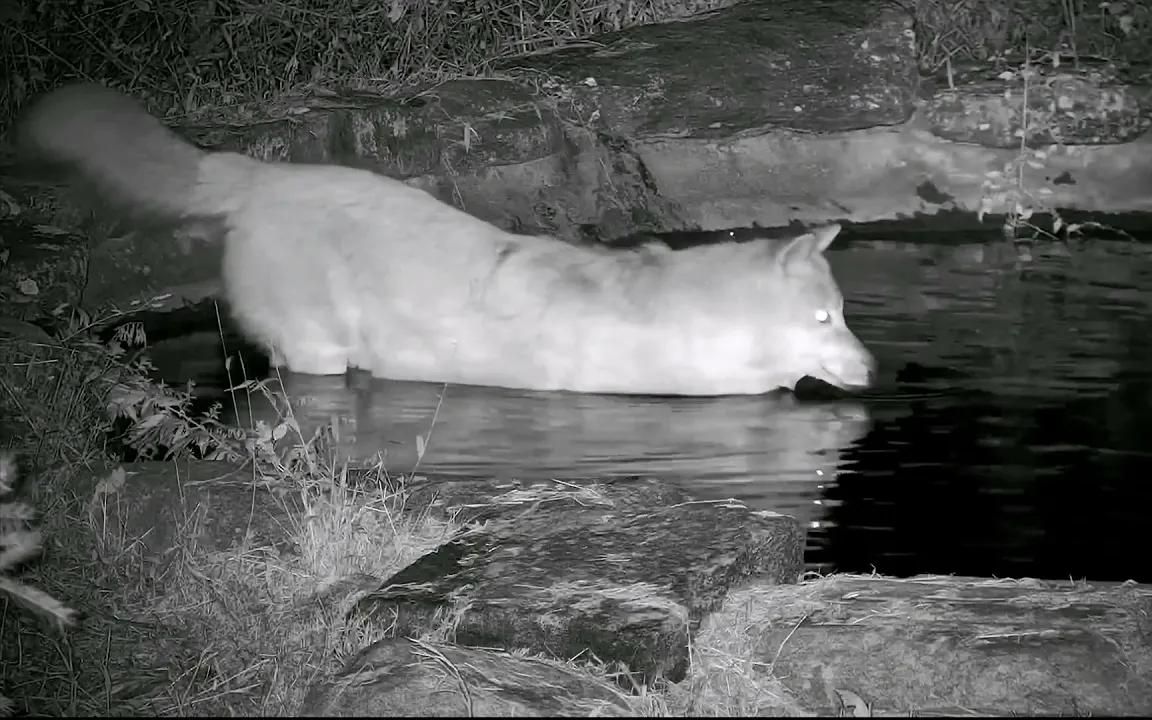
(1007, 435)
(772, 451)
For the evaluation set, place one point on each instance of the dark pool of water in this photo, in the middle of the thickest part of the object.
(1007, 437)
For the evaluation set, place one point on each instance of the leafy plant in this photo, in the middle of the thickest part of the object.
(20, 542)
(1005, 189)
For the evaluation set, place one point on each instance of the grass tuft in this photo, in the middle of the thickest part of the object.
(243, 630)
(181, 58)
(949, 31)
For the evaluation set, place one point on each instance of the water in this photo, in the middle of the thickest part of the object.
(1034, 458)
(1006, 436)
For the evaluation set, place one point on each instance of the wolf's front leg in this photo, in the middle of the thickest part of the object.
(310, 358)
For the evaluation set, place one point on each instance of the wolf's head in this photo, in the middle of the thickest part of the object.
(802, 311)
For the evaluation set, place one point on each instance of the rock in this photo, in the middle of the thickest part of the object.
(823, 66)
(165, 268)
(44, 267)
(933, 645)
(886, 173)
(11, 328)
(492, 147)
(624, 570)
(41, 268)
(566, 149)
(1062, 108)
(399, 678)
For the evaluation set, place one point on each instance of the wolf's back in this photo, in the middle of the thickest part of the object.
(111, 145)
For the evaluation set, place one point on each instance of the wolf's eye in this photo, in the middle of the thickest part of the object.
(823, 316)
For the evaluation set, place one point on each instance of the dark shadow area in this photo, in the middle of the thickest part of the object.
(987, 485)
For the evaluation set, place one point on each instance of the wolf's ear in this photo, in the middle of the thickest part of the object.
(825, 234)
(801, 249)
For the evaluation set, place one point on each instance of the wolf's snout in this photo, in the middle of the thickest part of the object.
(853, 367)
(858, 378)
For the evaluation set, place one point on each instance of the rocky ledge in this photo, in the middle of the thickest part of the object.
(653, 590)
(766, 113)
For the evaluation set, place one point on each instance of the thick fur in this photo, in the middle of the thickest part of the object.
(332, 267)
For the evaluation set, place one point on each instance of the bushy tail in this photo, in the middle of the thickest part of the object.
(109, 143)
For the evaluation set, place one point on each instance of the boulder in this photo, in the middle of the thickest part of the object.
(41, 269)
(930, 646)
(624, 570)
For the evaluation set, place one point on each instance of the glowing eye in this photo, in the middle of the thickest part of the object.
(823, 316)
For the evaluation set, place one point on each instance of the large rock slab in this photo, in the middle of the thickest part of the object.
(41, 269)
(934, 645)
(810, 65)
(888, 173)
(624, 569)
(167, 268)
(1072, 108)
(46, 267)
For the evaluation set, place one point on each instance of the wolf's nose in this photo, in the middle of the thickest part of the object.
(862, 374)
(870, 373)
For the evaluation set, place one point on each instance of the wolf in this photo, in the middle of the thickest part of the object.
(332, 267)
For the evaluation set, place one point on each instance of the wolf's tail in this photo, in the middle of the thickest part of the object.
(113, 147)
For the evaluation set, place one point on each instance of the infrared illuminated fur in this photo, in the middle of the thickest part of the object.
(332, 267)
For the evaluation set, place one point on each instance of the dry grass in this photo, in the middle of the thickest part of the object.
(184, 57)
(237, 632)
(983, 30)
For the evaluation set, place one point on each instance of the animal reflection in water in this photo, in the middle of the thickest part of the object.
(771, 451)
